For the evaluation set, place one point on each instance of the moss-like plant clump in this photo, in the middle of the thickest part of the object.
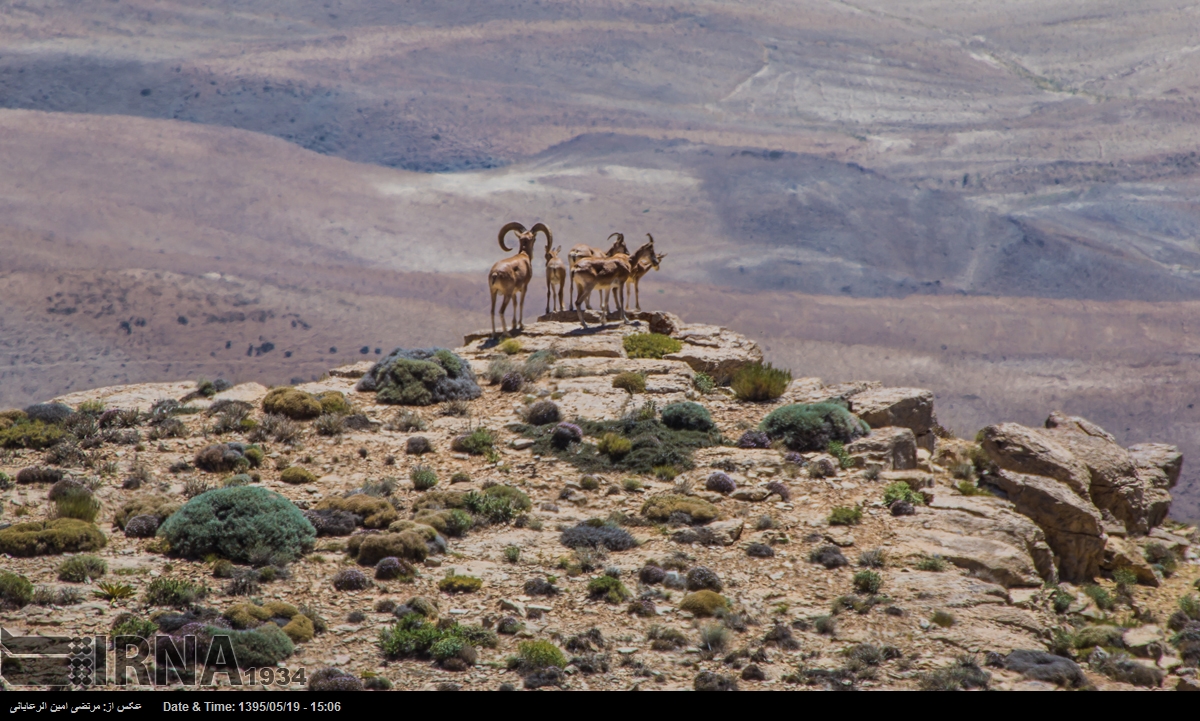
(35, 435)
(845, 516)
(540, 654)
(477, 443)
(650, 345)
(687, 416)
(177, 592)
(291, 403)
(901, 491)
(652, 444)
(261, 647)
(455, 583)
(410, 544)
(703, 603)
(43, 538)
(15, 590)
(372, 511)
(660, 508)
(423, 477)
(238, 523)
(609, 589)
(413, 635)
(630, 381)
(296, 475)
(757, 382)
(614, 445)
(421, 378)
(810, 427)
(80, 569)
(335, 403)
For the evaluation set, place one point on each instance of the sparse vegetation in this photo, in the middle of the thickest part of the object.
(810, 427)
(456, 583)
(901, 491)
(81, 569)
(650, 345)
(176, 592)
(423, 477)
(868, 582)
(936, 564)
(845, 516)
(757, 382)
(630, 381)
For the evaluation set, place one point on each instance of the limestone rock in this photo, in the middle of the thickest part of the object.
(1014, 447)
(910, 408)
(1160, 457)
(893, 448)
(984, 535)
(1145, 641)
(717, 533)
(1073, 527)
(1113, 482)
(354, 370)
(1123, 553)
(750, 493)
(715, 351)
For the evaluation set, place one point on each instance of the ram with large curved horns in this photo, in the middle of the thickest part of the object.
(511, 276)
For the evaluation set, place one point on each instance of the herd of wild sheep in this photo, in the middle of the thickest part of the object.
(589, 269)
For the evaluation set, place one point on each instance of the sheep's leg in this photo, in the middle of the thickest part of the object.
(621, 301)
(494, 312)
(523, 294)
(579, 306)
(560, 294)
(637, 294)
(548, 294)
(503, 308)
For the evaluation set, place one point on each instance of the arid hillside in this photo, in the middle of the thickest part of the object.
(996, 202)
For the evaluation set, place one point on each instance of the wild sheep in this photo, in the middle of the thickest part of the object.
(647, 262)
(556, 277)
(511, 276)
(581, 252)
(607, 274)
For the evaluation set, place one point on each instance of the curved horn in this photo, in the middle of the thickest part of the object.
(651, 237)
(542, 227)
(504, 231)
(620, 236)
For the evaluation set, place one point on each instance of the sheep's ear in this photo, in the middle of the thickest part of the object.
(558, 249)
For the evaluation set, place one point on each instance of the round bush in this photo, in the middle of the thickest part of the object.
(222, 458)
(757, 382)
(810, 427)
(512, 382)
(418, 446)
(291, 403)
(542, 413)
(331, 522)
(565, 434)
(651, 575)
(44, 538)
(296, 475)
(239, 523)
(15, 590)
(760, 550)
(48, 412)
(754, 439)
(585, 536)
(687, 416)
(39, 474)
(720, 483)
(350, 579)
(701, 578)
(423, 478)
(421, 377)
(141, 526)
(333, 679)
(703, 603)
(391, 568)
(79, 569)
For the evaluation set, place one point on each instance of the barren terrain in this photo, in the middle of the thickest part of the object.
(997, 203)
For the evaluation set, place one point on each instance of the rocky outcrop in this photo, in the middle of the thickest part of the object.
(1073, 471)
(1073, 526)
(910, 408)
(983, 535)
(891, 448)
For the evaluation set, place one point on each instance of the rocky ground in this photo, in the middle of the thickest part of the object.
(995, 533)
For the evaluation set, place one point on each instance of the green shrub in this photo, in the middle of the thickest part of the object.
(450, 522)
(540, 654)
(477, 443)
(420, 378)
(945, 619)
(660, 508)
(261, 647)
(375, 512)
(837, 449)
(15, 590)
(131, 629)
(1102, 598)
(77, 503)
(608, 588)
(1125, 578)
(238, 523)
(758, 382)
(963, 674)
(423, 477)
(44, 538)
(296, 475)
(967, 488)
(410, 544)
(176, 592)
(687, 416)
(845, 516)
(650, 345)
(1061, 600)
(455, 583)
(334, 403)
(161, 507)
(80, 569)
(34, 435)
(1107, 636)
(936, 564)
(867, 582)
(497, 504)
(510, 346)
(703, 603)
(413, 635)
(630, 381)
(810, 427)
(113, 591)
(512, 554)
(901, 491)
(291, 403)
(614, 445)
(704, 383)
